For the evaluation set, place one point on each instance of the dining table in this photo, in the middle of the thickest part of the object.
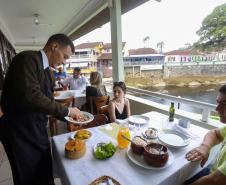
(79, 97)
(120, 166)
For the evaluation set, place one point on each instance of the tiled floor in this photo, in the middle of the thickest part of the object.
(5, 170)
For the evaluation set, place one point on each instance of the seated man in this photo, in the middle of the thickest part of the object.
(60, 74)
(216, 175)
(77, 82)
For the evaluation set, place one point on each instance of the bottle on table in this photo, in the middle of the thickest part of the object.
(171, 112)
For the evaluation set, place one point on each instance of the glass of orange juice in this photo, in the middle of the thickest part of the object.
(122, 142)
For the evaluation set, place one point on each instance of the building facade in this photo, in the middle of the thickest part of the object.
(85, 57)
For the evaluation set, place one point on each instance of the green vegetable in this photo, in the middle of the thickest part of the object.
(105, 151)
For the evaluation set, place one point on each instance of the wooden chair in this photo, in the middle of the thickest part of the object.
(99, 119)
(53, 126)
(67, 101)
(103, 109)
(96, 102)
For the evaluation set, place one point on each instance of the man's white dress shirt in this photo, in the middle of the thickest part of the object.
(76, 83)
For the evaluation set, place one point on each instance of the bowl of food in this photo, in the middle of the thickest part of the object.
(156, 154)
(105, 180)
(150, 133)
(104, 150)
(75, 149)
(137, 145)
(85, 118)
(81, 134)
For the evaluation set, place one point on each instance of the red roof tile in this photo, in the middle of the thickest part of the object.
(183, 52)
(105, 56)
(142, 51)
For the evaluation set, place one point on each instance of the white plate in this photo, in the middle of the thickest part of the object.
(139, 119)
(72, 136)
(139, 160)
(173, 139)
(91, 117)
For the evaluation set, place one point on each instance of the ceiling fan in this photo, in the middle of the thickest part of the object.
(37, 22)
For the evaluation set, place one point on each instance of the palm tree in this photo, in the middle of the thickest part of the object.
(160, 46)
(146, 41)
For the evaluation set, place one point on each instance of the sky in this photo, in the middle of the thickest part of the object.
(173, 22)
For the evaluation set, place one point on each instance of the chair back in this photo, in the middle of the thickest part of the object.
(103, 110)
(96, 102)
(66, 101)
(99, 119)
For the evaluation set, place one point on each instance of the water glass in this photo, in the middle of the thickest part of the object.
(137, 129)
(165, 124)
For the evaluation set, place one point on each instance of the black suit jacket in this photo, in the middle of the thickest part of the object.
(22, 90)
(25, 102)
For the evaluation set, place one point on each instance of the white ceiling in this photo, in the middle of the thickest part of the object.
(72, 17)
(17, 20)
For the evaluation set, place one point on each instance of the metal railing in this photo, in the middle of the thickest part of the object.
(82, 56)
(205, 107)
(193, 63)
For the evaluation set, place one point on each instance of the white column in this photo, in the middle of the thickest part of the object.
(116, 40)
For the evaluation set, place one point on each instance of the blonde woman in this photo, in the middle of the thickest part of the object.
(96, 88)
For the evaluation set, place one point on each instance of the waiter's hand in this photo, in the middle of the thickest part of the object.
(74, 113)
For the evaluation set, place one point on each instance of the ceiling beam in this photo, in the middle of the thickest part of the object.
(103, 17)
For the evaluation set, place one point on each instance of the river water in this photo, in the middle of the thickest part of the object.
(201, 93)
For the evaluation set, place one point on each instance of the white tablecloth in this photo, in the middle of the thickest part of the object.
(80, 97)
(84, 170)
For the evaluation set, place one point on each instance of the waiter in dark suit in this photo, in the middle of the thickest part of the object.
(27, 99)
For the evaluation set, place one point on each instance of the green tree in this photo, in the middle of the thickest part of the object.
(213, 31)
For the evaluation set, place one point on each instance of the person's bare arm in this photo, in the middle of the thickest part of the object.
(201, 153)
(215, 178)
(111, 110)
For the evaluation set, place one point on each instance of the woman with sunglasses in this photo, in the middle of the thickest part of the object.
(119, 106)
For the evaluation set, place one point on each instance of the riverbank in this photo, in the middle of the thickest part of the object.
(192, 81)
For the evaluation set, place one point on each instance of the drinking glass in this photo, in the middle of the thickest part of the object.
(165, 124)
(122, 142)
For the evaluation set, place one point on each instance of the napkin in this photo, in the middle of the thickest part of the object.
(185, 131)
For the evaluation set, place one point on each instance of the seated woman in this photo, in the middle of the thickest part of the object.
(119, 107)
(96, 89)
